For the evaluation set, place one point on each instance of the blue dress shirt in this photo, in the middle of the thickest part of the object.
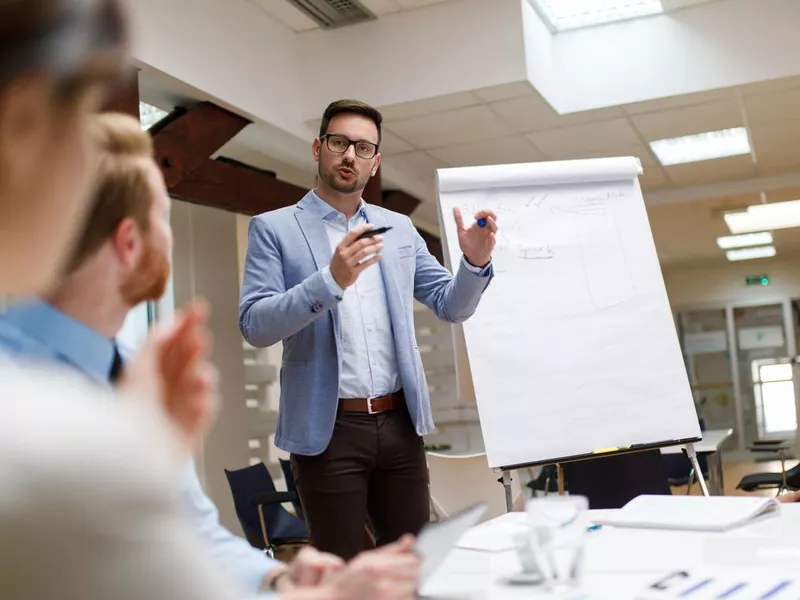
(36, 332)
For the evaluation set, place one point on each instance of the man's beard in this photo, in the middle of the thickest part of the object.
(343, 187)
(149, 280)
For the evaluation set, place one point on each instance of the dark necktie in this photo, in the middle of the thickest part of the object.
(116, 366)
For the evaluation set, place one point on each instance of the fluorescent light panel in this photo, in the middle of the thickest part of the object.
(702, 146)
(572, 14)
(751, 253)
(742, 241)
(764, 217)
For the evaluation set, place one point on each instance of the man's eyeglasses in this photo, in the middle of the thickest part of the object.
(339, 144)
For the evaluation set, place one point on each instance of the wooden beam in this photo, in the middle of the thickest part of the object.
(225, 185)
(399, 201)
(185, 140)
(373, 193)
(434, 244)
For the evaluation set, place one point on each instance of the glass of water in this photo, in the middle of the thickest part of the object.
(558, 536)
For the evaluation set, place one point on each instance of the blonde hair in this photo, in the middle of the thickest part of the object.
(121, 188)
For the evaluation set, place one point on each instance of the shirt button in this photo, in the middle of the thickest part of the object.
(316, 307)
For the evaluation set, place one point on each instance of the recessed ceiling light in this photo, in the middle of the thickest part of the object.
(742, 241)
(572, 14)
(764, 217)
(750, 253)
(149, 115)
(702, 146)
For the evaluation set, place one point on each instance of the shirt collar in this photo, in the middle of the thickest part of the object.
(331, 214)
(71, 340)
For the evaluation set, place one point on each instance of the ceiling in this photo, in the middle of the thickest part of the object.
(513, 123)
(295, 19)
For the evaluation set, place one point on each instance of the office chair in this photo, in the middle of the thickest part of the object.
(546, 482)
(288, 477)
(266, 524)
(783, 481)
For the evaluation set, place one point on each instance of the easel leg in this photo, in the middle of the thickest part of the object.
(560, 471)
(507, 486)
(696, 464)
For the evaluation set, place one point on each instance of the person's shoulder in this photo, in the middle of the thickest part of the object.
(276, 215)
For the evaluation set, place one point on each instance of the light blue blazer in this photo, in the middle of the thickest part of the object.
(285, 298)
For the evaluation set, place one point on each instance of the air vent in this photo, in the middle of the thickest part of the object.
(334, 13)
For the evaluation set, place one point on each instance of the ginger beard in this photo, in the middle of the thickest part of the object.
(149, 280)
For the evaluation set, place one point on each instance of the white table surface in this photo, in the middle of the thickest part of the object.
(712, 440)
(621, 562)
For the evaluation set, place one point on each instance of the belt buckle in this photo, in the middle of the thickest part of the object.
(370, 410)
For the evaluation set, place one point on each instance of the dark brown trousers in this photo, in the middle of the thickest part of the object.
(374, 468)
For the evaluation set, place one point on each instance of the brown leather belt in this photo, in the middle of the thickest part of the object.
(373, 406)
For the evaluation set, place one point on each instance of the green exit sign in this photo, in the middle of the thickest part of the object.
(757, 280)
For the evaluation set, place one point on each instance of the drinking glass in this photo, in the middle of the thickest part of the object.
(558, 536)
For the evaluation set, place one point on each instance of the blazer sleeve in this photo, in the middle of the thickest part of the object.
(268, 312)
(452, 298)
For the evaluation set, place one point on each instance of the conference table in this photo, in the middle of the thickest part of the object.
(621, 562)
(710, 446)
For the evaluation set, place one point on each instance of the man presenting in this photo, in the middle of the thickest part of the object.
(354, 401)
(121, 259)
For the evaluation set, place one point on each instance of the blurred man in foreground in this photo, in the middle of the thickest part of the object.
(122, 259)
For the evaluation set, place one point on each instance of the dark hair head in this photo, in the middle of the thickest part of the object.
(350, 107)
(77, 42)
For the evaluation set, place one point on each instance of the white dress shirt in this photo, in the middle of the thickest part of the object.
(369, 359)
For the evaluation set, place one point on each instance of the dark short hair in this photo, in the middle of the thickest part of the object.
(351, 107)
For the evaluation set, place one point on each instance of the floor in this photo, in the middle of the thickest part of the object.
(733, 473)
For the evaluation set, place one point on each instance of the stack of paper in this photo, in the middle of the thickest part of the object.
(699, 513)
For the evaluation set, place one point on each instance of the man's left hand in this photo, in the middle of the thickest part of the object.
(476, 242)
(309, 569)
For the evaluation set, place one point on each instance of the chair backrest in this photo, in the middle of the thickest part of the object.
(459, 481)
(244, 483)
(288, 477)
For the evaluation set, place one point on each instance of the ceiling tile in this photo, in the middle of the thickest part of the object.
(505, 92)
(639, 151)
(391, 144)
(653, 177)
(418, 164)
(532, 113)
(699, 118)
(734, 167)
(453, 127)
(287, 15)
(381, 7)
(677, 101)
(778, 160)
(408, 110)
(506, 150)
(772, 85)
(774, 137)
(772, 106)
(582, 139)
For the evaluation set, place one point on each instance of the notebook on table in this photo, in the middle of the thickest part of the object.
(693, 513)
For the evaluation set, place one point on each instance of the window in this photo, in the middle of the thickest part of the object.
(773, 386)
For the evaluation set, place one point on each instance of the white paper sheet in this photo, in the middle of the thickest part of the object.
(573, 348)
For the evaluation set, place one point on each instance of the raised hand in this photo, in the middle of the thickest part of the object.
(352, 256)
(172, 370)
(476, 242)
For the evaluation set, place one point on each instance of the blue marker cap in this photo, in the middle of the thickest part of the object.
(481, 222)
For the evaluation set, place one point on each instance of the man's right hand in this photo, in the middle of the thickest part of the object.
(348, 258)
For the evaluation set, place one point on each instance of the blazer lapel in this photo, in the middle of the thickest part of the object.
(310, 219)
(388, 262)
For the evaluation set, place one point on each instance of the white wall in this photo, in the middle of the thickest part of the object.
(709, 46)
(443, 49)
(206, 265)
(718, 285)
